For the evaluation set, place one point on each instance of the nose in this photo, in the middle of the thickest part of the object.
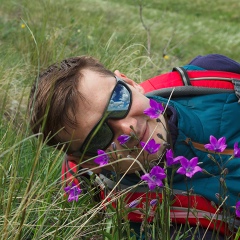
(123, 126)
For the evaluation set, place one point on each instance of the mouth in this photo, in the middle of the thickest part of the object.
(145, 133)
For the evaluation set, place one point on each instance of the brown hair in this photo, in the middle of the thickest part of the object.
(54, 98)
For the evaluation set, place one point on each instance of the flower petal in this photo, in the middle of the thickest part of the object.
(222, 141)
(146, 177)
(213, 140)
(209, 146)
(102, 158)
(193, 162)
(122, 139)
(152, 185)
(236, 151)
(238, 209)
(151, 113)
(184, 162)
(156, 170)
(197, 169)
(181, 170)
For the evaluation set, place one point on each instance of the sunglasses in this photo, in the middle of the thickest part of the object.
(101, 136)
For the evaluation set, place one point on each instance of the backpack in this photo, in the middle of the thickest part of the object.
(192, 83)
(179, 83)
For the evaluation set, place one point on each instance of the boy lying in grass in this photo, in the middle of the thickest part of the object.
(105, 122)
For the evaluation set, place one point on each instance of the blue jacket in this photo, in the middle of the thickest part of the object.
(198, 118)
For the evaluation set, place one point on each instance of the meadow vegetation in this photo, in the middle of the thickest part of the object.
(35, 34)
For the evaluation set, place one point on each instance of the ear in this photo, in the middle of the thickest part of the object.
(129, 81)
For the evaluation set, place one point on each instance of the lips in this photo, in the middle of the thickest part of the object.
(145, 134)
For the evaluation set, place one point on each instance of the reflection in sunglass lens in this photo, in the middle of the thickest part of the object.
(120, 99)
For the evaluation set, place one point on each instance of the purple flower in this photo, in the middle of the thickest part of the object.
(153, 202)
(102, 158)
(73, 192)
(216, 145)
(151, 147)
(155, 110)
(238, 209)
(236, 151)
(189, 168)
(154, 178)
(122, 139)
(134, 203)
(170, 159)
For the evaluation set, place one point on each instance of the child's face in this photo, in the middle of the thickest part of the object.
(96, 91)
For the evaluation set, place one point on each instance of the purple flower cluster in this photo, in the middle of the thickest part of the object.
(189, 167)
(155, 109)
(216, 145)
(154, 177)
(73, 192)
(219, 145)
(102, 158)
(151, 147)
(170, 159)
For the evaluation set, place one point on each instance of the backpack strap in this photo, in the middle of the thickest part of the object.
(184, 75)
(192, 83)
(236, 84)
(72, 173)
(69, 173)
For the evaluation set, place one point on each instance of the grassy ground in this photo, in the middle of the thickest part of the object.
(37, 33)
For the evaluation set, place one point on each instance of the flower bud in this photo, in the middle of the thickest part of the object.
(114, 146)
(166, 144)
(213, 204)
(159, 135)
(134, 203)
(221, 180)
(135, 148)
(225, 171)
(132, 134)
(152, 164)
(191, 191)
(137, 173)
(153, 202)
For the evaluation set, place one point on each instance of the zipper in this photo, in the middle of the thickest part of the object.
(200, 146)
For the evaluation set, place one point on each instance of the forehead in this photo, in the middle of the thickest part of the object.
(95, 83)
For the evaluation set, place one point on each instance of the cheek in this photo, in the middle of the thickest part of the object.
(139, 104)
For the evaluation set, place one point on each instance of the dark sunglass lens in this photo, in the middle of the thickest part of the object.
(101, 140)
(119, 102)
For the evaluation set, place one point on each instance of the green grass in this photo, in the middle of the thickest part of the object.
(32, 205)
